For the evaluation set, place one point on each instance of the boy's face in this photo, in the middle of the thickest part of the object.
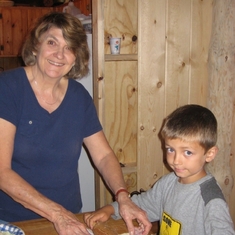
(187, 159)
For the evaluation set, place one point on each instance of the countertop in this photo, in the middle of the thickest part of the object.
(44, 227)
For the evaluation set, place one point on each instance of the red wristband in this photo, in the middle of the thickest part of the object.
(120, 191)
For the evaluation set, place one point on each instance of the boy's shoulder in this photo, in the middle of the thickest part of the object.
(211, 190)
(208, 186)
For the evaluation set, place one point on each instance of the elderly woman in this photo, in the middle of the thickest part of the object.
(45, 117)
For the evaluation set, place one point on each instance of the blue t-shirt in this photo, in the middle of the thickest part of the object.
(47, 145)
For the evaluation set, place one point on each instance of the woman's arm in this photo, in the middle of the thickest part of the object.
(105, 161)
(22, 192)
(109, 167)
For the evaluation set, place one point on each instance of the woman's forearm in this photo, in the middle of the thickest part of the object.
(105, 161)
(111, 171)
(23, 193)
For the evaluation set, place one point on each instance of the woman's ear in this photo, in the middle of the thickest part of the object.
(211, 153)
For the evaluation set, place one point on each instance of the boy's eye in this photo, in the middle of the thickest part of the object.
(169, 150)
(188, 153)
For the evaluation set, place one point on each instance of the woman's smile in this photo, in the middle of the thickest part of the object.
(55, 63)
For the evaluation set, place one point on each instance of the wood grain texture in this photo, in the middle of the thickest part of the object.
(98, 83)
(221, 95)
(7, 31)
(120, 20)
(19, 29)
(1, 34)
(151, 90)
(14, 25)
(131, 181)
(120, 96)
(115, 81)
(171, 59)
(172, 71)
(44, 227)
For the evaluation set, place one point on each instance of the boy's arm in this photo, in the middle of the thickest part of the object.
(101, 215)
(218, 220)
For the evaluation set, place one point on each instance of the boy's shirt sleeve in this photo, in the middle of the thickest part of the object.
(217, 218)
(116, 214)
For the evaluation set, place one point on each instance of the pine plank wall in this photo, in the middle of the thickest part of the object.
(191, 59)
(221, 94)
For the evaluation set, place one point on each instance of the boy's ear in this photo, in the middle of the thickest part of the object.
(211, 153)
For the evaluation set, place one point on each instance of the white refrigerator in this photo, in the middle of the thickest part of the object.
(85, 169)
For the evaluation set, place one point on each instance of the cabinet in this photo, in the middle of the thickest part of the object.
(162, 65)
(14, 25)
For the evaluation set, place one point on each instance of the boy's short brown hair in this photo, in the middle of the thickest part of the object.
(191, 123)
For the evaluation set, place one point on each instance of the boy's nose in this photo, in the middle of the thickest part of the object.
(177, 160)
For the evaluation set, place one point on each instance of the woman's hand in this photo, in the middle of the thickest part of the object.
(66, 223)
(129, 212)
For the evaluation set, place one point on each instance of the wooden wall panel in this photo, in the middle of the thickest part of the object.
(7, 32)
(222, 96)
(173, 60)
(178, 29)
(120, 119)
(116, 86)
(230, 197)
(131, 181)
(1, 35)
(98, 79)
(121, 21)
(34, 14)
(19, 29)
(151, 90)
(14, 25)
(199, 46)
(174, 38)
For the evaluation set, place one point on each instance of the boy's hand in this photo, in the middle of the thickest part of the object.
(101, 215)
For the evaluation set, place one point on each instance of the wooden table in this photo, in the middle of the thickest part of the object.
(44, 227)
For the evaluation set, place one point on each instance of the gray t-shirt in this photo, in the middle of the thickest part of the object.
(186, 209)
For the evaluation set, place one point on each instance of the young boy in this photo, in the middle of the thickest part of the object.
(187, 201)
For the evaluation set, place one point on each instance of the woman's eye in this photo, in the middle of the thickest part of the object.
(69, 49)
(188, 153)
(51, 42)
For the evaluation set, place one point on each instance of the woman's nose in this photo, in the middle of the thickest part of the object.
(59, 53)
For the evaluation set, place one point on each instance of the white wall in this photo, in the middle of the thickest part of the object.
(85, 169)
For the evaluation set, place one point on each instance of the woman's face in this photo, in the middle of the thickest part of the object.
(54, 57)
